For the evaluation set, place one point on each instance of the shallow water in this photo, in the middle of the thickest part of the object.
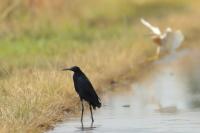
(167, 100)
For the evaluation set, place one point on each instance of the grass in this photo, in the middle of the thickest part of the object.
(105, 41)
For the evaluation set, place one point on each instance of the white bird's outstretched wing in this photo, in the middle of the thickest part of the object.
(172, 40)
(154, 29)
(178, 39)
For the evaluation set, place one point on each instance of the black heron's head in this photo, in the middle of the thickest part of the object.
(73, 68)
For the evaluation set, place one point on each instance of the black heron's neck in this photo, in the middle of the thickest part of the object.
(79, 72)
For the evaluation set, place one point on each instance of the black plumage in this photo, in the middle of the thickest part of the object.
(85, 90)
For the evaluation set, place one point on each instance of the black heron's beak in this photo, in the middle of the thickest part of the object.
(65, 69)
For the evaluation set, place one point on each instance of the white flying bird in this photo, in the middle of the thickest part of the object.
(168, 41)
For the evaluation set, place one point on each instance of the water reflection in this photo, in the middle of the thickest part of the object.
(162, 92)
(85, 128)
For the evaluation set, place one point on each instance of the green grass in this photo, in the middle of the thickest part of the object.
(41, 35)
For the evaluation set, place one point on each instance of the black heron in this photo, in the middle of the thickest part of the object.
(85, 90)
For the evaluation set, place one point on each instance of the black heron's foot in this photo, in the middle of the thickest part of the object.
(82, 126)
(92, 123)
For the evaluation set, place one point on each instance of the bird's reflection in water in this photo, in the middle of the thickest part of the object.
(87, 128)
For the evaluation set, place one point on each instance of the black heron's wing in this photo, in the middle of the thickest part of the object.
(86, 90)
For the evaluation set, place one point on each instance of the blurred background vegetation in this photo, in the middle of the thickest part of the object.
(31, 29)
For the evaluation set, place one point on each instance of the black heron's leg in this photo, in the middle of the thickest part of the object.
(82, 112)
(91, 114)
